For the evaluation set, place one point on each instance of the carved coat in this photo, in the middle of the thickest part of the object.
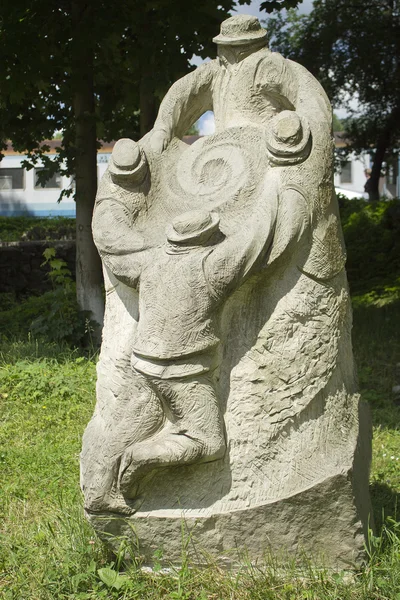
(249, 92)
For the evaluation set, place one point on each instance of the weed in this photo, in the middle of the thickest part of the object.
(52, 317)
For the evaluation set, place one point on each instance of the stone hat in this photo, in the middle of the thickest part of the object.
(288, 138)
(128, 159)
(192, 226)
(240, 29)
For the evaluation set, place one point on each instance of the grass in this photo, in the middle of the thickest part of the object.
(376, 337)
(49, 552)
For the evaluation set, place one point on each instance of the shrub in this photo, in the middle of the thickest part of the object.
(372, 237)
(15, 229)
(54, 316)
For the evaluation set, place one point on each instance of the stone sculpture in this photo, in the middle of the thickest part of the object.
(226, 393)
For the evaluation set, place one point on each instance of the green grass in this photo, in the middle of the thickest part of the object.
(43, 401)
(48, 551)
(376, 338)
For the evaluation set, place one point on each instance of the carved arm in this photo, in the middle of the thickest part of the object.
(231, 262)
(185, 102)
(122, 249)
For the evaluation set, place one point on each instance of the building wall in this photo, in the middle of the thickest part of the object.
(355, 183)
(353, 186)
(38, 201)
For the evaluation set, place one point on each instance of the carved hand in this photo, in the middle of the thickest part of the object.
(159, 140)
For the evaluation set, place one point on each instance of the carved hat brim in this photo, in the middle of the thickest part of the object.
(282, 149)
(136, 173)
(246, 38)
(174, 236)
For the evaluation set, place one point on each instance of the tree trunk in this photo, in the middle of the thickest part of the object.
(381, 147)
(89, 279)
(382, 144)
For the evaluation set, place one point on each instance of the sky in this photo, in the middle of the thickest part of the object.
(206, 122)
(254, 9)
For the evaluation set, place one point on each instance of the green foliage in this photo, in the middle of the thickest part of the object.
(54, 316)
(354, 51)
(337, 124)
(59, 274)
(193, 130)
(346, 54)
(136, 51)
(270, 5)
(15, 229)
(372, 237)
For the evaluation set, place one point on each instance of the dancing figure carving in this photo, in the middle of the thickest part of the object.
(226, 391)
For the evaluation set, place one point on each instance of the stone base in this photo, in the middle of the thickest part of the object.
(322, 522)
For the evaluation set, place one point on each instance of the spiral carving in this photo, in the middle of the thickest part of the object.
(216, 169)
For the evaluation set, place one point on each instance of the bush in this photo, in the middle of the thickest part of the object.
(15, 229)
(54, 316)
(372, 237)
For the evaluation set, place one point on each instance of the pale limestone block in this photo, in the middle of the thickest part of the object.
(226, 392)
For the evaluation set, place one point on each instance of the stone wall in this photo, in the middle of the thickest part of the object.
(20, 265)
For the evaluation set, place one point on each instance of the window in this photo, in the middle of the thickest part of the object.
(12, 179)
(53, 183)
(392, 173)
(345, 171)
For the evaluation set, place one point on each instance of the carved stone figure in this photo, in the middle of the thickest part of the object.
(226, 393)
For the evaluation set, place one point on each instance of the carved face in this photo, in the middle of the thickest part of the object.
(235, 54)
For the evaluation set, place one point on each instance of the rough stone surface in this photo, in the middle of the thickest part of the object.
(226, 393)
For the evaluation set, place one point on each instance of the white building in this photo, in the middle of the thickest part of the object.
(21, 194)
(350, 176)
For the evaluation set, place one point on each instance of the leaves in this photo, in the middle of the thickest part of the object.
(48, 254)
(132, 42)
(36, 228)
(353, 49)
(271, 5)
(112, 579)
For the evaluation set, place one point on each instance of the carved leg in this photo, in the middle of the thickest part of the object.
(193, 431)
(103, 495)
(140, 415)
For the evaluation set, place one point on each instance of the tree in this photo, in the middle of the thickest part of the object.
(353, 48)
(93, 69)
(337, 124)
(271, 5)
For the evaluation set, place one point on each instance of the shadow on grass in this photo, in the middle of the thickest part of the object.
(376, 342)
(385, 503)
